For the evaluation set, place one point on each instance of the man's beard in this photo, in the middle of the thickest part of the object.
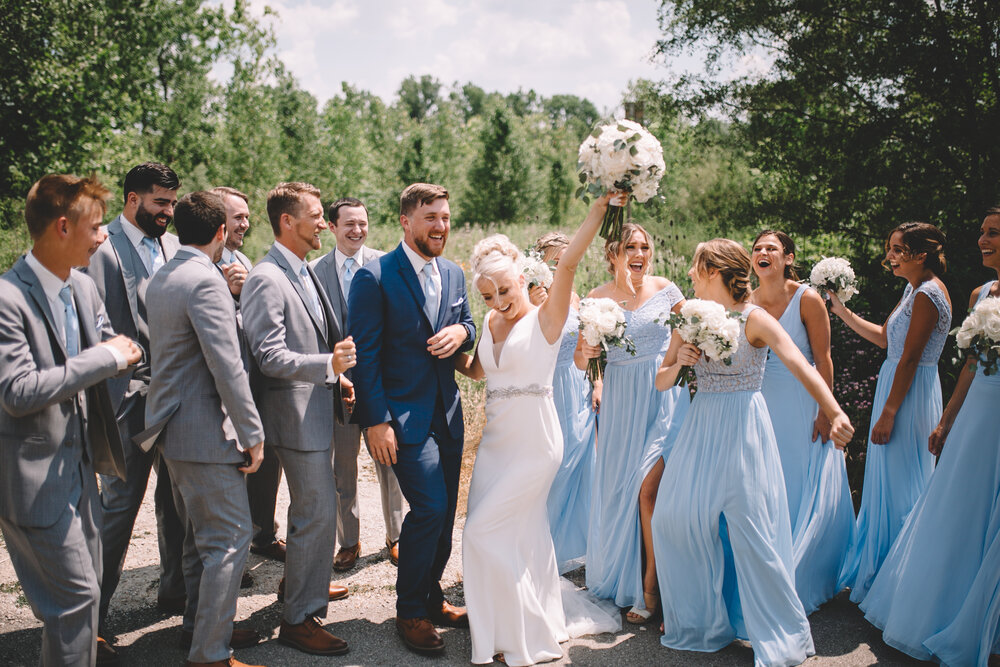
(147, 223)
(425, 248)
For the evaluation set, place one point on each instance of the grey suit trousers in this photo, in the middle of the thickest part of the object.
(346, 447)
(211, 499)
(59, 568)
(311, 532)
(262, 487)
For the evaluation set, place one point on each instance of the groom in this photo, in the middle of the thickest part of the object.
(409, 316)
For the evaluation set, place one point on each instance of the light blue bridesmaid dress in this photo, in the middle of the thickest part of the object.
(819, 497)
(897, 472)
(569, 497)
(937, 597)
(721, 532)
(638, 426)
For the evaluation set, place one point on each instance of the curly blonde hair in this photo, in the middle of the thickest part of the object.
(493, 256)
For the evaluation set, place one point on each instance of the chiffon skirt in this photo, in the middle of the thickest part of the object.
(722, 535)
(895, 473)
(937, 597)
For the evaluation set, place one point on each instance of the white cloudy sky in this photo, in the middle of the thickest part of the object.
(590, 48)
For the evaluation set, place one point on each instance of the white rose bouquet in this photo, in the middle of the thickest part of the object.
(836, 275)
(979, 334)
(620, 157)
(602, 323)
(707, 326)
(535, 269)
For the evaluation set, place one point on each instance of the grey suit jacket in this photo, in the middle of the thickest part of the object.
(326, 270)
(199, 403)
(54, 407)
(121, 281)
(292, 349)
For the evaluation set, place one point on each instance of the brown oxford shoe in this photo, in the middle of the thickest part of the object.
(171, 605)
(393, 551)
(241, 638)
(337, 592)
(107, 656)
(449, 616)
(346, 558)
(229, 662)
(275, 550)
(311, 637)
(419, 635)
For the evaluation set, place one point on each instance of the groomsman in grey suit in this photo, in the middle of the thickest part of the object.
(262, 486)
(138, 245)
(56, 350)
(297, 342)
(202, 416)
(348, 219)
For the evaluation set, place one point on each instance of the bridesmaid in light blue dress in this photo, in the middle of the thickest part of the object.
(819, 496)
(569, 497)
(638, 426)
(937, 597)
(723, 541)
(907, 400)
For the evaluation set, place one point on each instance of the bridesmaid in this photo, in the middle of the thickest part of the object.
(937, 597)
(638, 425)
(725, 484)
(569, 497)
(819, 497)
(907, 395)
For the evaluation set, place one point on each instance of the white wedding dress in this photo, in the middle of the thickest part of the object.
(516, 603)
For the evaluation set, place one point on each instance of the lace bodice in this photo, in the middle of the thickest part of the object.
(899, 323)
(745, 373)
(570, 333)
(791, 322)
(647, 328)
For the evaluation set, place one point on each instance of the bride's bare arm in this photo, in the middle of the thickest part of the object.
(468, 365)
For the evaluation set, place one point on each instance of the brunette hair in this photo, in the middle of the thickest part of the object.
(58, 195)
(417, 194)
(921, 237)
(224, 190)
(732, 262)
(287, 198)
(333, 213)
(198, 216)
(141, 179)
(616, 246)
(787, 246)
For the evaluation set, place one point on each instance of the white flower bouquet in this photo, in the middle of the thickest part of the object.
(836, 275)
(535, 269)
(707, 326)
(979, 334)
(602, 323)
(620, 157)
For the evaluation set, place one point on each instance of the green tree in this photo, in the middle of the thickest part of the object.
(499, 187)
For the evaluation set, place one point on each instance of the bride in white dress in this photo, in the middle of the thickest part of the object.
(513, 592)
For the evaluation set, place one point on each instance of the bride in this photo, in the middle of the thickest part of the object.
(512, 586)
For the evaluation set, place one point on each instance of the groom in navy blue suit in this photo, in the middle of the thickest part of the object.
(409, 316)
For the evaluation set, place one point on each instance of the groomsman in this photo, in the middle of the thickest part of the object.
(348, 218)
(262, 486)
(56, 349)
(138, 245)
(297, 342)
(203, 418)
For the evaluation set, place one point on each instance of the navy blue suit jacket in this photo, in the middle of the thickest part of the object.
(396, 379)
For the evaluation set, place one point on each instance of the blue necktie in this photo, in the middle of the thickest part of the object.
(431, 295)
(348, 274)
(155, 258)
(72, 322)
(310, 288)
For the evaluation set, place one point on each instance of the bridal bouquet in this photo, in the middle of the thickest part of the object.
(620, 157)
(980, 333)
(602, 323)
(834, 274)
(707, 326)
(535, 269)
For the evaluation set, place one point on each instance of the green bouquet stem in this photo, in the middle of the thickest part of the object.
(595, 368)
(684, 376)
(611, 227)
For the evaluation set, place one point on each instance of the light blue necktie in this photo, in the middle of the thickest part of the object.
(155, 257)
(310, 288)
(431, 295)
(348, 274)
(72, 322)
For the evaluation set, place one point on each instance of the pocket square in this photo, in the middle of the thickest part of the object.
(100, 322)
(460, 301)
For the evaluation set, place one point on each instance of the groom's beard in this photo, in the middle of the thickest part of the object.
(426, 250)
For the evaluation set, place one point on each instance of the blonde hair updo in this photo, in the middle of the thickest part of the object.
(493, 256)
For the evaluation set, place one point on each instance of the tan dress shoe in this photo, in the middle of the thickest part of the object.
(449, 616)
(346, 558)
(241, 638)
(337, 592)
(107, 656)
(393, 548)
(419, 635)
(275, 550)
(230, 662)
(311, 637)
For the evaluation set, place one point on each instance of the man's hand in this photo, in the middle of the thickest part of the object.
(382, 443)
(344, 355)
(128, 347)
(236, 275)
(347, 394)
(256, 456)
(447, 341)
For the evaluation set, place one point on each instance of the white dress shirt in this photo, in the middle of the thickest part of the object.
(340, 258)
(418, 263)
(135, 237)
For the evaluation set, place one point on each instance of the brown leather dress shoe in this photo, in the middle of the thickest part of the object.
(229, 662)
(311, 637)
(337, 592)
(246, 581)
(419, 635)
(449, 616)
(171, 605)
(275, 550)
(393, 548)
(346, 558)
(107, 656)
(241, 638)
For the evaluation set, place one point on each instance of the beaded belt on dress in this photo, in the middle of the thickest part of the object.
(501, 393)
